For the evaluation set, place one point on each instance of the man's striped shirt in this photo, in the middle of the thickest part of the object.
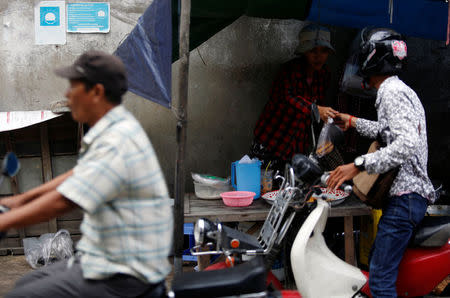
(127, 224)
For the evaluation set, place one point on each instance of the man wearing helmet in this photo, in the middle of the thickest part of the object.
(401, 125)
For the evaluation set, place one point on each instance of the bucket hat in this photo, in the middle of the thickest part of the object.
(312, 36)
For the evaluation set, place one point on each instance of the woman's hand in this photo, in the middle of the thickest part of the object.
(326, 112)
(341, 174)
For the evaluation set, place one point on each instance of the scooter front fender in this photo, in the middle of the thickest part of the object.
(317, 271)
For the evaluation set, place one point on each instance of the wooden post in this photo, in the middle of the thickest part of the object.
(183, 75)
(47, 173)
(349, 241)
(14, 182)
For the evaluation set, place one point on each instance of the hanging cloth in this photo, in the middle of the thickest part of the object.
(147, 54)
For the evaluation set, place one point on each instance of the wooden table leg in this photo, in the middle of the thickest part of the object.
(349, 241)
(256, 227)
(203, 262)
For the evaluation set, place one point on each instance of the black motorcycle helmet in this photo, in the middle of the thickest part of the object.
(382, 52)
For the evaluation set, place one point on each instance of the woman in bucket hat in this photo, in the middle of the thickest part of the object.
(283, 127)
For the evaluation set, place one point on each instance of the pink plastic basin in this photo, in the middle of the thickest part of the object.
(237, 198)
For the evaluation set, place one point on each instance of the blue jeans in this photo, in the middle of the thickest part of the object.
(397, 223)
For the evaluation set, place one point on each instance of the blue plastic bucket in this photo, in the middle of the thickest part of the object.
(246, 177)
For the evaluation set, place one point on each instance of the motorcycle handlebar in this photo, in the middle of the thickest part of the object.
(347, 188)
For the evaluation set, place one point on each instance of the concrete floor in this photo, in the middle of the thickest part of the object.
(14, 267)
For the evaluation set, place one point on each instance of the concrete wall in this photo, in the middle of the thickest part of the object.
(231, 74)
(230, 77)
(26, 70)
(229, 82)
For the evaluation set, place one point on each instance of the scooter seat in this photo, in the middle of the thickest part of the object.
(249, 277)
(433, 231)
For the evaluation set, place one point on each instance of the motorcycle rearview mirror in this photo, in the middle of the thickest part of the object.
(292, 176)
(315, 116)
(278, 176)
(10, 165)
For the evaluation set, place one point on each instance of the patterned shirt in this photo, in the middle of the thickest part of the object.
(127, 224)
(401, 124)
(284, 125)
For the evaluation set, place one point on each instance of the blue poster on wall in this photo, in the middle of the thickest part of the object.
(49, 16)
(93, 17)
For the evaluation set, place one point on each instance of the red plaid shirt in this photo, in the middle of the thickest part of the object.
(284, 125)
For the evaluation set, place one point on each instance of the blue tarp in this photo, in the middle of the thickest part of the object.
(418, 18)
(147, 54)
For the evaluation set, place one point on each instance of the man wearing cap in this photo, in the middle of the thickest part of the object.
(283, 128)
(118, 184)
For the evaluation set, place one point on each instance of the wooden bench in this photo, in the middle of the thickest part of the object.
(195, 208)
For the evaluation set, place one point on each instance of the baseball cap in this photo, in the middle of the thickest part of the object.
(312, 36)
(98, 67)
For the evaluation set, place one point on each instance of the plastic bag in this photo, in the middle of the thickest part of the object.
(327, 153)
(210, 179)
(325, 144)
(48, 248)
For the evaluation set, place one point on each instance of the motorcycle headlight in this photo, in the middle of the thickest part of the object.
(201, 230)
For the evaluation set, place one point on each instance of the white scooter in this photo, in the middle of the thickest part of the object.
(317, 271)
(320, 273)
